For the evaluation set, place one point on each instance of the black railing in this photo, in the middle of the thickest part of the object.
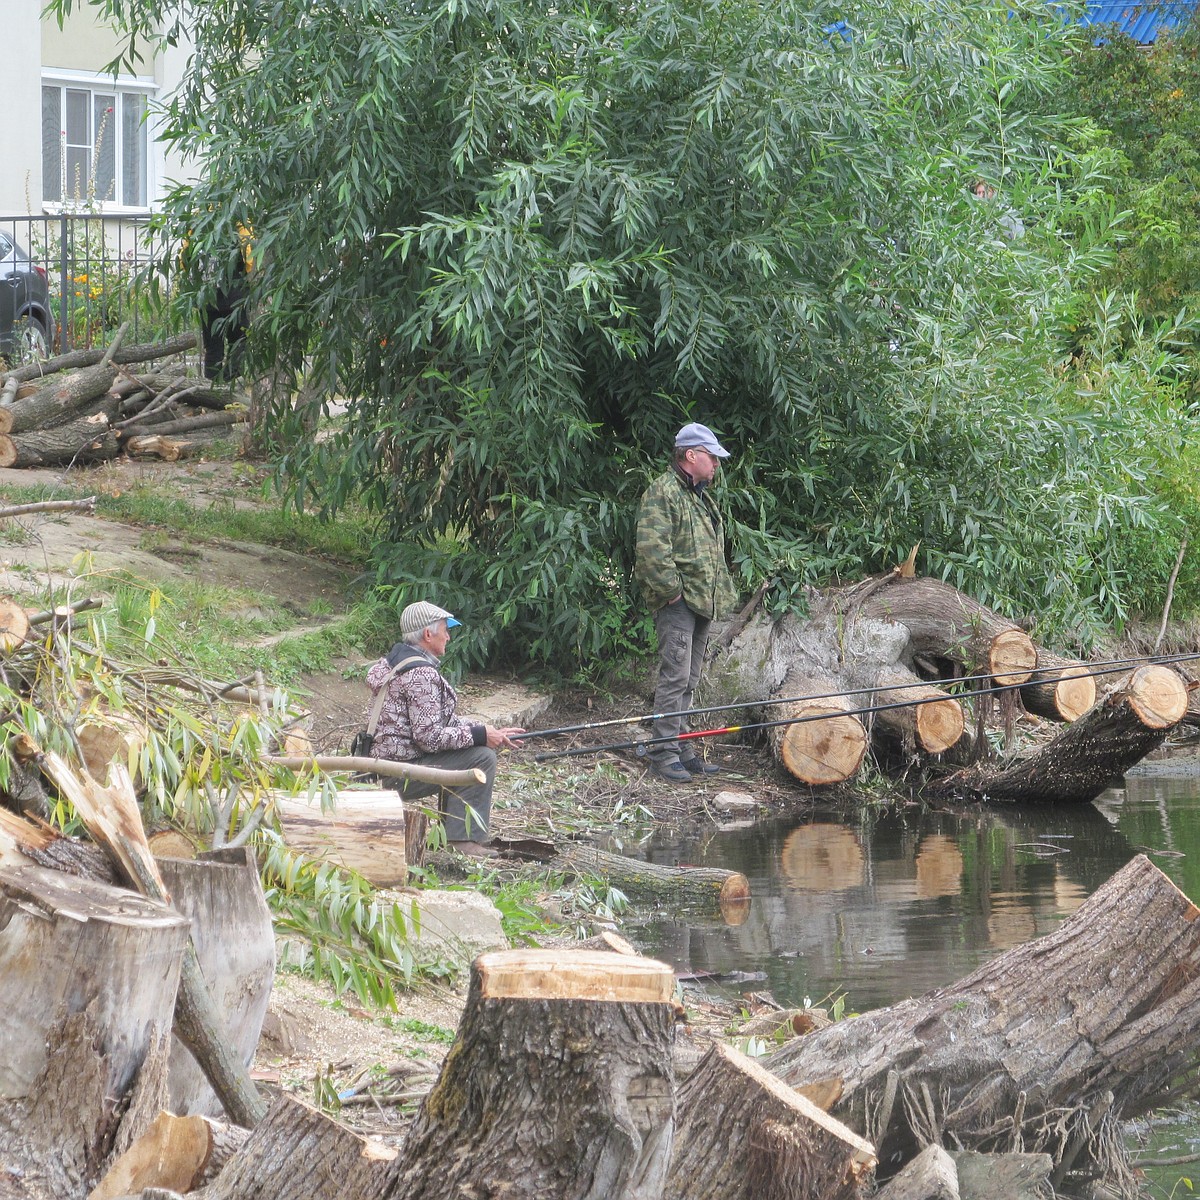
(98, 269)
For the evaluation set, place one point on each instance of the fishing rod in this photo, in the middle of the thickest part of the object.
(641, 744)
(1117, 665)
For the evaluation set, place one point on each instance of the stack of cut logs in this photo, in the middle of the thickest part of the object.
(90, 405)
(857, 672)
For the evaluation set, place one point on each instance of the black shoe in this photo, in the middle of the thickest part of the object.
(697, 766)
(672, 772)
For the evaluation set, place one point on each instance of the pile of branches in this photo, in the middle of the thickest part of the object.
(92, 405)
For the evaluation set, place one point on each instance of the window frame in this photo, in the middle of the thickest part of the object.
(99, 84)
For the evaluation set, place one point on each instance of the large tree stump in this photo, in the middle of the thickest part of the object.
(1062, 689)
(559, 1085)
(741, 1134)
(88, 976)
(221, 894)
(945, 623)
(298, 1153)
(1044, 1048)
(1085, 758)
(822, 742)
(930, 719)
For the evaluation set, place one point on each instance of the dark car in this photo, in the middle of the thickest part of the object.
(26, 326)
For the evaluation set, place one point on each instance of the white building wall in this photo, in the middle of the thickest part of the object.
(21, 128)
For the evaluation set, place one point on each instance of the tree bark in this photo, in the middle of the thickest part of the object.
(933, 723)
(187, 424)
(59, 402)
(1045, 1048)
(221, 894)
(710, 888)
(932, 1175)
(741, 1134)
(88, 438)
(88, 358)
(825, 744)
(559, 1084)
(1086, 756)
(88, 976)
(1061, 689)
(298, 1153)
(944, 622)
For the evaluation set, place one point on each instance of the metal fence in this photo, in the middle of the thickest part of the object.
(98, 269)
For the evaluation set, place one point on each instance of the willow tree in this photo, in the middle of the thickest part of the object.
(525, 242)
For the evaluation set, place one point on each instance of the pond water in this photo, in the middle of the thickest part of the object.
(879, 907)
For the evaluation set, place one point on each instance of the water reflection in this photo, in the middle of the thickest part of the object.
(888, 906)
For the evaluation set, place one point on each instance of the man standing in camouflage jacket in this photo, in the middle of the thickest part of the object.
(680, 566)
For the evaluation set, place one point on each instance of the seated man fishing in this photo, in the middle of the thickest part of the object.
(417, 724)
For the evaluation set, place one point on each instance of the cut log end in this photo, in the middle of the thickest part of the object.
(939, 725)
(584, 975)
(734, 899)
(1158, 696)
(1074, 693)
(14, 624)
(1012, 657)
(823, 751)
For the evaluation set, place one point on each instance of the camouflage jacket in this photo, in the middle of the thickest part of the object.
(418, 715)
(681, 548)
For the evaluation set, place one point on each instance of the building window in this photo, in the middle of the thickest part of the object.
(93, 145)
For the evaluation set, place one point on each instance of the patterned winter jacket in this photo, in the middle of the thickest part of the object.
(418, 715)
(681, 548)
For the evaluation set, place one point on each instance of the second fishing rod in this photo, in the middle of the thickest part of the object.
(640, 745)
(1112, 666)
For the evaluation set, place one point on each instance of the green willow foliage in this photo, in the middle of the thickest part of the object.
(530, 241)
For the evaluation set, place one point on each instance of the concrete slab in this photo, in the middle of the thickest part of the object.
(458, 926)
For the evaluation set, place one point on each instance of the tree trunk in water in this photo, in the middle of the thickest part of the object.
(944, 622)
(221, 894)
(825, 743)
(298, 1153)
(741, 1134)
(710, 888)
(933, 723)
(1088, 754)
(88, 976)
(1045, 1048)
(559, 1085)
(1061, 689)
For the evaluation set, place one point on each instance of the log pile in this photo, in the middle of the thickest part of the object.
(91, 405)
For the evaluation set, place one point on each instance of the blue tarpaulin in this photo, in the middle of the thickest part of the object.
(1142, 22)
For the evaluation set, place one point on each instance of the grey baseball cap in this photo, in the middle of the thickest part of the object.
(700, 437)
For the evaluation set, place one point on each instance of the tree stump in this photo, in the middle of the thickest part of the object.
(1085, 758)
(88, 976)
(221, 894)
(824, 742)
(1066, 1035)
(559, 1085)
(741, 1134)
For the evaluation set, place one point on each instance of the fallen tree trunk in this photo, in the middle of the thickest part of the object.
(59, 402)
(946, 623)
(1086, 756)
(1061, 689)
(88, 438)
(930, 720)
(298, 1153)
(1048, 1047)
(559, 1084)
(88, 975)
(88, 358)
(710, 888)
(823, 742)
(187, 424)
(741, 1134)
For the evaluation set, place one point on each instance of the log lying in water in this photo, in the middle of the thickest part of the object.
(743, 1135)
(1047, 1047)
(559, 1084)
(1086, 756)
(709, 888)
